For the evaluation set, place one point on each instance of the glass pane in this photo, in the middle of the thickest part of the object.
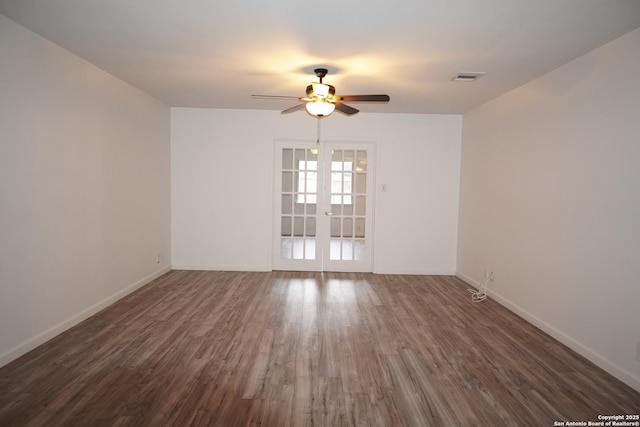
(336, 182)
(298, 226)
(336, 160)
(336, 209)
(298, 249)
(334, 250)
(286, 203)
(347, 227)
(348, 160)
(299, 156)
(347, 250)
(346, 182)
(358, 250)
(302, 181)
(361, 205)
(361, 183)
(335, 227)
(312, 182)
(298, 208)
(361, 162)
(360, 227)
(311, 208)
(285, 226)
(287, 158)
(312, 159)
(287, 182)
(285, 248)
(347, 208)
(309, 249)
(310, 227)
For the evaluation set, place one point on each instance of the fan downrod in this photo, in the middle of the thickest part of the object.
(321, 73)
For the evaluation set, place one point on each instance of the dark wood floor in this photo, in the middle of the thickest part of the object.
(302, 349)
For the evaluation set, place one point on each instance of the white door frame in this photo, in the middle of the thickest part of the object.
(322, 238)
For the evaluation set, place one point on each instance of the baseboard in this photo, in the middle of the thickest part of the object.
(213, 267)
(596, 358)
(415, 272)
(467, 279)
(25, 347)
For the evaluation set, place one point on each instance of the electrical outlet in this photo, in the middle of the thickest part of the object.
(158, 256)
(491, 276)
(638, 351)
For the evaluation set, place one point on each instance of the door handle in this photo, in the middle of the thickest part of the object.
(328, 213)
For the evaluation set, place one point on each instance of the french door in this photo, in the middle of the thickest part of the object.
(323, 206)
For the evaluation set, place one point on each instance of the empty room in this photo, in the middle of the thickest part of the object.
(365, 213)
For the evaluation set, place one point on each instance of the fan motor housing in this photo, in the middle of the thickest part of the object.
(311, 94)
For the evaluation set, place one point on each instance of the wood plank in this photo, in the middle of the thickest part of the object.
(300, 349)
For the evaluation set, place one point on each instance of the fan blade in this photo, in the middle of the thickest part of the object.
(292, 109)
(363, 98)
(345, 109)
(274, 97)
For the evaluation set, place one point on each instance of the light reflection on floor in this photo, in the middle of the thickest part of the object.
(305, 299)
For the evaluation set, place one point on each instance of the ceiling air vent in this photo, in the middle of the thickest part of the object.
(468, 76)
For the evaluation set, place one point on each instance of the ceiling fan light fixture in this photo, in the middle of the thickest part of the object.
(321, 99)
(319, 108)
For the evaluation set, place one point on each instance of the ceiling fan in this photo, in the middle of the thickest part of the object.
(321, 99)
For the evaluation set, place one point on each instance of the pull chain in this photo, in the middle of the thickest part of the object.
(318, 134)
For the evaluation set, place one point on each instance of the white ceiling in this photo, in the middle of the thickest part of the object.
(208, 53)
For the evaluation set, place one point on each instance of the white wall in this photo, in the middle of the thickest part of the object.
(550, 202)
(222, 182)
(84, 189)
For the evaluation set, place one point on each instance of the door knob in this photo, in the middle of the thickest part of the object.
(328, 213)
